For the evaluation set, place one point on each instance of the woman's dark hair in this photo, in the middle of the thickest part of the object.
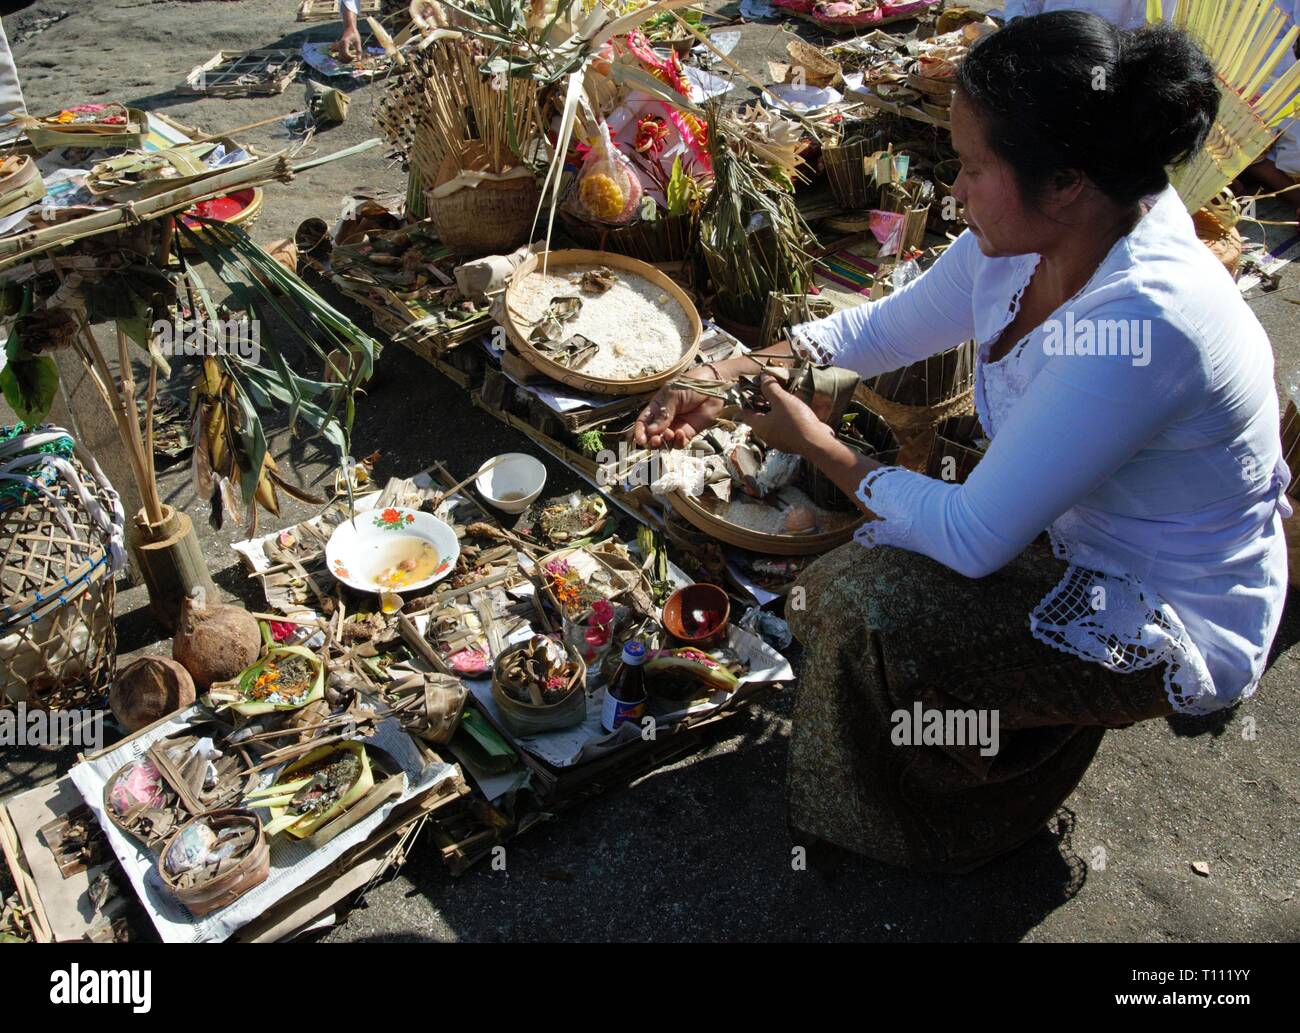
(1069, 91)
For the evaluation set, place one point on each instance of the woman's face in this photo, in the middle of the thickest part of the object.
(987, 188)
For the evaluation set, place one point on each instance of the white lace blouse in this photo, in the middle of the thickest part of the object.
(1138, 425)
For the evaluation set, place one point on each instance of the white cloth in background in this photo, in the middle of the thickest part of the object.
(1127, 14)
(11, 90)
(1158, 475)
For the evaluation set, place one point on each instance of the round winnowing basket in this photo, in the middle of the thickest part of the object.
(558, 262)
(871, 435)
(61, 544)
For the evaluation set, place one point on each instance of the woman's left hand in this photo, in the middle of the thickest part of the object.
(789, 425)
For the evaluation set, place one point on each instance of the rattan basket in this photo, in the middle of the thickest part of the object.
(1224, 242)
(492, 218)
(21, 185)
(666, 239)
(61, 544)
(1291, 453)
(818, 69)
(956, 449)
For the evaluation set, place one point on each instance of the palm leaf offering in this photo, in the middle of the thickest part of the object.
(1246, 41)
(753, 238)
(316, 789)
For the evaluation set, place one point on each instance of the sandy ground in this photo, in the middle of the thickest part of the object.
(699, 850)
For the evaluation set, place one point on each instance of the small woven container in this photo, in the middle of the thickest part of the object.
(1291, 453)
(235, 878)
(530, 719)
(956, 449)
(21, 185)
(818, 69)
(61, 544)
(1224, 242)
(666, 239)
(914, 400)
(846, 169)
(46, 136)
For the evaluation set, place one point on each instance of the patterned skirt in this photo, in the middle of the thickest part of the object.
(891, 639)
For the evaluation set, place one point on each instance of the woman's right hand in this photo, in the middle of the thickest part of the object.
(675, 415)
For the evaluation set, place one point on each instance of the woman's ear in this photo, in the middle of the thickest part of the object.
(1065, 188)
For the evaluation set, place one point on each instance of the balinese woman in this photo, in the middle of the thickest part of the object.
(1150, 456)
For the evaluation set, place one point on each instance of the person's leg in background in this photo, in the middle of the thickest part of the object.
(11, 90)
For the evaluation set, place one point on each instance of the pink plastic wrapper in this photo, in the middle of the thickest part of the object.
(141, 784)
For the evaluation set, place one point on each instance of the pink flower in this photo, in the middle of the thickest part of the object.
(596, 637)
(281, 630)
(602, 612)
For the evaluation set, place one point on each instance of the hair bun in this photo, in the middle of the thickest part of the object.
(1167, 96)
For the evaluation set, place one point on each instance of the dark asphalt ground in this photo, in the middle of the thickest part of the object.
(699, 850)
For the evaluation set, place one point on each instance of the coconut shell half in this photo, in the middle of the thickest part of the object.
(148, 689)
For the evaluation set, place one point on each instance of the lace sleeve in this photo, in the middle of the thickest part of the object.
(931, 314)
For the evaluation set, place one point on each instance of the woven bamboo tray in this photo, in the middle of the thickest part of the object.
(560, 260)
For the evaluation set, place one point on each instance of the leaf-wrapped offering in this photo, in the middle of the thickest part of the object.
(287, 678)
(312, 791)
(88, 125)
(214, 859)
(138, 800)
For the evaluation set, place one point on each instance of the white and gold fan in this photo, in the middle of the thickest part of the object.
(1245, 41)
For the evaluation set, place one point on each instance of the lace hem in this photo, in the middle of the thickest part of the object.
(806, 346)
(1116, 621)
(894, 526)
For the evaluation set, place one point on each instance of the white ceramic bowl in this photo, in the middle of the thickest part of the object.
(513, 483)
(371, 544)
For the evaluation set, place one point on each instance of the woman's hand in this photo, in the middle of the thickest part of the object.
(789, 425)
(675, 415)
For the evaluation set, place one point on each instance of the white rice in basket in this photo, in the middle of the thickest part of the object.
(639, 333)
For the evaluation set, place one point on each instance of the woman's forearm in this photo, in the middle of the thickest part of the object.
(845, 466)
(776, 354)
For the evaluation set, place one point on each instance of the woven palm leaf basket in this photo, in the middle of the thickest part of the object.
(1291, 453)
(914, 400)
(62, 542)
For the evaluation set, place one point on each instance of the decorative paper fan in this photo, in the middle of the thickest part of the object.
(1241, 39)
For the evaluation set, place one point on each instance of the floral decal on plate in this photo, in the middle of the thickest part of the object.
(341, 570)
(390, 519)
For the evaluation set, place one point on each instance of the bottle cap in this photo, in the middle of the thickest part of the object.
(634, 652)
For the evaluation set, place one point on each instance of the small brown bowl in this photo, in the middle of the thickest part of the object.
(697, 597)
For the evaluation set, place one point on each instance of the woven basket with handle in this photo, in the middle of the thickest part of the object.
(61, 544)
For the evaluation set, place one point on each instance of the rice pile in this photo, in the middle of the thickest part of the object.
(639, 334)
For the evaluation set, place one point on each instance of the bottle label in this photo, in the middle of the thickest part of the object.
(614, 712)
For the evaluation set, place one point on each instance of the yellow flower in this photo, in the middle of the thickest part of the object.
(602, 196)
